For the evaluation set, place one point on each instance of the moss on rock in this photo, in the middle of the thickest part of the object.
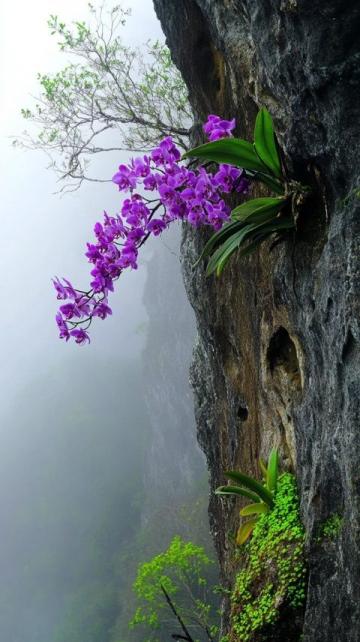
(269, 589)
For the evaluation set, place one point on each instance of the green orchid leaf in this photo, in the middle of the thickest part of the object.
(223, 253)
(284, 223)
(226, 250)
(263, 232)
(217, 238)
(254, 509)
(272, 470)
(245, 531)
(270, 181)
(263, 468)
(237, 490)
(257, 206)
(259, 231)
(255, 209)
(252, 485)
(251, 247)
(233, 151)
(265, 144)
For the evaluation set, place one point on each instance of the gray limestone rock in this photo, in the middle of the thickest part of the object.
(277, 355)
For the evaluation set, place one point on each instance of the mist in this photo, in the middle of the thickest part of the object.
(87, 434)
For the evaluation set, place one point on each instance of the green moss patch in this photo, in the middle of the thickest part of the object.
(330, 529)
(269, 591)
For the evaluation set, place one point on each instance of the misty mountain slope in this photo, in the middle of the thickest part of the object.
(70, 488)
(99, 469)
(174, 461)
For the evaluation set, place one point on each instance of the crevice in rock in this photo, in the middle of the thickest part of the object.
(283, 360)
(350, 348)
(242, 413)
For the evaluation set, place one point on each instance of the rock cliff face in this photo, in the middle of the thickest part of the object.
(277, 355)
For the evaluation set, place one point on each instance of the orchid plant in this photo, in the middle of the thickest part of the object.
(261, 494)
(162, 189)
(170, 191)
(254, 221)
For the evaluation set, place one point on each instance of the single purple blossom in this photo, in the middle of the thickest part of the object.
(125, 178)
(156, 226)
(64, 331)
(226, 177)
(102, 310)
(60, 289)
(80, 336)
(70, 310)
(141, 166)
(216, 127)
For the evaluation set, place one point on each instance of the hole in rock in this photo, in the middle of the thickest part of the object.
(242, 413)
(349, 348)
(282, 357)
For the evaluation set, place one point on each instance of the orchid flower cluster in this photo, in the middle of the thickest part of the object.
(170, 191)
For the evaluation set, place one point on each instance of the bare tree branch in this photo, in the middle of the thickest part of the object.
(178, 617)
(138, 95)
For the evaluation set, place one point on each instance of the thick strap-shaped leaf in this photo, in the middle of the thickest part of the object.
(265, 144)
(237, 490)
(251, 484)
(254, 509)
(222, 254)
(272, 470)
(233, 151)
(250, 209)
(259, 231)
(262, 233)
(245, 531)
(219, 237)
(263, 469)
(270, 181)
(263, 229)
(278, 224)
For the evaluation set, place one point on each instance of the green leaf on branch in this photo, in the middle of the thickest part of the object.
(265, 143)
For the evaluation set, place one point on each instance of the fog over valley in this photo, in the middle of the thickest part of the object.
(99, 465)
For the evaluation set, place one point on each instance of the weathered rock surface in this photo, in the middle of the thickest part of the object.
(277, 355)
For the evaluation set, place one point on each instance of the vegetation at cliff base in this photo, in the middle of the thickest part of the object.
(272, 578)
(174, 595)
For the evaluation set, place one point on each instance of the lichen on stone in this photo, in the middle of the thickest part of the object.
(273, 572)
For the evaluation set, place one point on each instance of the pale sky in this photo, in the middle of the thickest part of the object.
(43, 234)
